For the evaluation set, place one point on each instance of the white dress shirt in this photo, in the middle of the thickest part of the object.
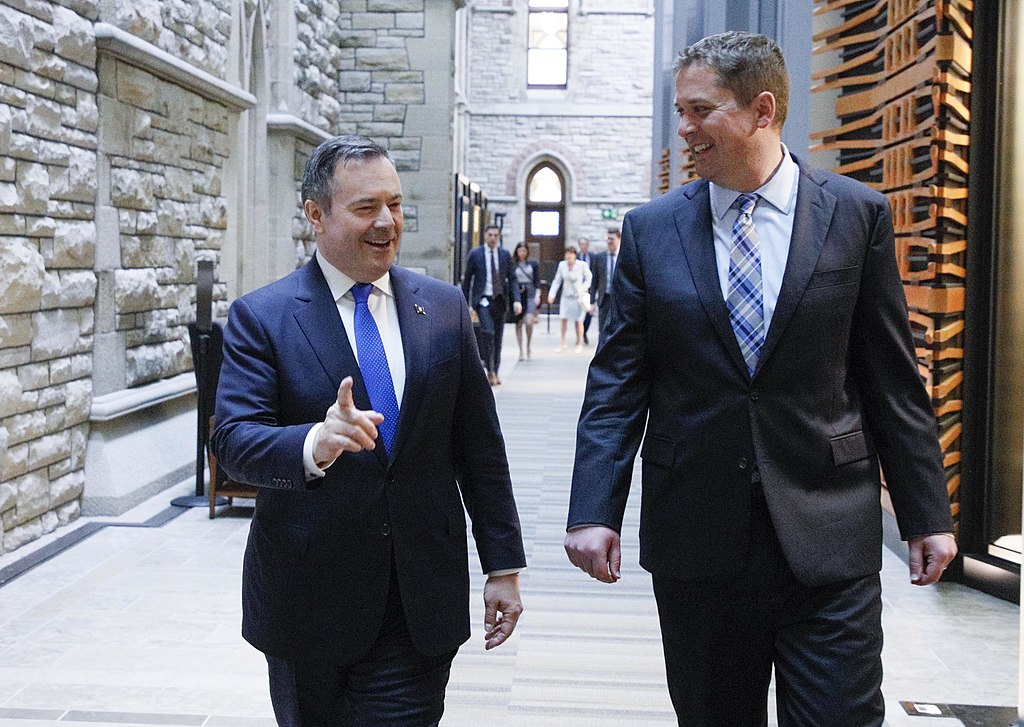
(491, 253)
(773, 221)
(381, 303)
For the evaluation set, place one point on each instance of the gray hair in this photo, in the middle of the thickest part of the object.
(746, 64)
(318, 176)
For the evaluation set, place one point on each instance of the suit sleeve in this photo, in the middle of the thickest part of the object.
(556, 282)
(482, 465)
(900, 415)
(253, 444)
(615, 407)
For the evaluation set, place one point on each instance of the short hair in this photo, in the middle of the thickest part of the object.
(614, 231)
(571, 249)
(318, 175)
(745, 63)
(493, 227)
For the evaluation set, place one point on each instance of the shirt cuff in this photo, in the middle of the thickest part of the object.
(313, 472)
(504, 572)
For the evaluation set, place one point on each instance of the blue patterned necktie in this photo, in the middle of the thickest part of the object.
(745, 301)
(373, 363)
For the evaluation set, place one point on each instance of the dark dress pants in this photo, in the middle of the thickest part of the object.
(492, 330)
(392, 684)
(721, 640)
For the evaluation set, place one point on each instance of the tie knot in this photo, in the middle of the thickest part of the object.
(361, 291)
(745, 203)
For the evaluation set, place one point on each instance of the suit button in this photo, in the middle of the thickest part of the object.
(743, 463)
(755, 395)
(385, 529)
(390, 478)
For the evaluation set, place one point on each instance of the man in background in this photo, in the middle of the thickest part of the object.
(486, 288)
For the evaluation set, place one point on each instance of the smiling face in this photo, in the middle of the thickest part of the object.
(732, 144)
(361, 233)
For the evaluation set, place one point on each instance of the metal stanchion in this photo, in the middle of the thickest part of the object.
(200, 333)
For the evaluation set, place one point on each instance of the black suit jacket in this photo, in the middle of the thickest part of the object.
(475, 280)
(318, 561)
(835, 393)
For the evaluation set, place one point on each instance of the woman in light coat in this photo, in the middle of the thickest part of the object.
(573, 279)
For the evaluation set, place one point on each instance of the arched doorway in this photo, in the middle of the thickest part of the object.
(545, 217)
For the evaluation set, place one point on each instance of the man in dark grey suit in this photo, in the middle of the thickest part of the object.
(759, 346)
(603, 266)
(352, 396)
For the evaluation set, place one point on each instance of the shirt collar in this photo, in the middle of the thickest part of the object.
(340, 284)
(777, 191)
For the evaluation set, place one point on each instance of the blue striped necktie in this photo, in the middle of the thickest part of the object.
(373, 364)
(745, 299)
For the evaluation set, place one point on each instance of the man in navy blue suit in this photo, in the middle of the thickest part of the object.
(352, 396)
(487, 290)
(758, 344)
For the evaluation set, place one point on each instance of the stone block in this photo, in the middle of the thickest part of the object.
(19, 33)
(78, 401)
(175, 183)
(16, 330)
(74, 244)
(8, 493)
(135, 290)
(77, 288)
(84, 79)
(74, 37)
(40, 227)
(20, 534)
(152, 362)
(132, 189)
(48, 521)
(57, 333)
(15, 356)
(67, 488)
(394, 6)
(49, 449)
(78, 182)
(33, 497)
(15, 464)
(375, 21)
(34, 183)
(138, 88)
(139, 17)
(379, 130)
(34, 376)
(355, 38)
(404, 93)
(382, 59)
(410, 21)
(43, 118)
(12, 224)
(69, 512)
(21, 277)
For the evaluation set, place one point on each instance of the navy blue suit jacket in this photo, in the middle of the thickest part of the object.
(317, 563)
(835, 393)
(475, 279)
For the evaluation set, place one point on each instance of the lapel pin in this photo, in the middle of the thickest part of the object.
(419, 309)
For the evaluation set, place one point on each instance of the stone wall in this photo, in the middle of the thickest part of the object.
(164, 148)
(597, 130)
(48, 140)
(129, 134)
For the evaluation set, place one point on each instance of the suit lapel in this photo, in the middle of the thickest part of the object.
(318, 318)
(814, 208)
(414, 322)
(694, 226)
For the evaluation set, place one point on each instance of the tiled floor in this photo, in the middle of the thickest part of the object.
(140, 625)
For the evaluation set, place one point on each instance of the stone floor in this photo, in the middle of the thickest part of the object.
(138, 623)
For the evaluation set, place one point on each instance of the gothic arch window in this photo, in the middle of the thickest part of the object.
(547, 55)
(545, 216)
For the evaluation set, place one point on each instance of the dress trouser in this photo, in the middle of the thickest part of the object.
(492, 330)
(721, 640)
(392, 684)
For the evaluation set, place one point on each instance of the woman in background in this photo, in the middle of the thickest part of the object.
(573, 278)
(524, 282)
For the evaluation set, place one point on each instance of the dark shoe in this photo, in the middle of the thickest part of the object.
(586, 341)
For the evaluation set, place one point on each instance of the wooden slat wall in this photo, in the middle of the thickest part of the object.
(904, 81)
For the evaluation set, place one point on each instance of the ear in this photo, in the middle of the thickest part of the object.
(764, 105)
(314, 214)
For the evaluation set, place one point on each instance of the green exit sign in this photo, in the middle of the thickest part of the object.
(609, 214)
